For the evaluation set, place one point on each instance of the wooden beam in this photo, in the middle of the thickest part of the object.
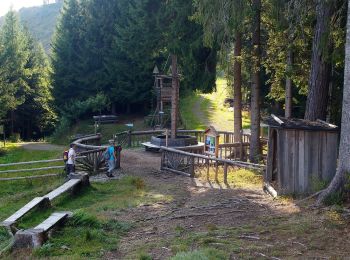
(279, 121)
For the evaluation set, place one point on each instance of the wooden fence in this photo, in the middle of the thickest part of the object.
(93, 162)
(131, 139)
(194, 165)
(47, 168)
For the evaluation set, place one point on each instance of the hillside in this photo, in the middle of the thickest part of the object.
(41, 21)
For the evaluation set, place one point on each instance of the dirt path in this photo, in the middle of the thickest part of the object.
(192, 208)
(42, 146)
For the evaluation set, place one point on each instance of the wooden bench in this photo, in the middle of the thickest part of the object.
(73, 184)
(36, 202)
(69, 185)
(36, 237)
(105, 119)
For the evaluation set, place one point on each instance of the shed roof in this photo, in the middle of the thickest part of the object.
(302, 124)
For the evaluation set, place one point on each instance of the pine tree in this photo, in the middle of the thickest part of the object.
(134, 52)
(36, 114)
(13, 73)
(67, 59)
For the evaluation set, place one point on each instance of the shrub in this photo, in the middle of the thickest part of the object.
(203, 254)
(83, 219)
(15, 138)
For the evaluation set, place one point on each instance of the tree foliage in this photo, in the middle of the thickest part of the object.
(25, 87)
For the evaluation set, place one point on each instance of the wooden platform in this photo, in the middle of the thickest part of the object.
(62, 189)
(24, 210)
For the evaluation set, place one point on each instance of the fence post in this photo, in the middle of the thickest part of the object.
(95, 163)
(162, 160)
(225, 173)
(129, 138)
(216, 171)
(192, 166)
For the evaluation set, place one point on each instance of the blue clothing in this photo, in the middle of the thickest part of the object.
(111, 153)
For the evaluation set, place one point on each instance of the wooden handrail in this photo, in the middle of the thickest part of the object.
(35, 162)
(232, 162)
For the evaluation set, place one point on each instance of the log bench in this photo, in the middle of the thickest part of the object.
(75, 183)
(36, 237)
(36, 202)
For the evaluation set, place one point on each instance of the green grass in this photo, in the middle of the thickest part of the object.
(236, 178)
(13, 153)
(86, 127)
(200, 110)
(203, 254)
(94, 228)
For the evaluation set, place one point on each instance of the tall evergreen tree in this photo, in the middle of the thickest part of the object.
(342, 176)
(13, 59)
(318, 95)
(135, 51)
(67, 60)
(36, 114)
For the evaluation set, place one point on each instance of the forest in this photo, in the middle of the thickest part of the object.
(103, 54)
(197, 129)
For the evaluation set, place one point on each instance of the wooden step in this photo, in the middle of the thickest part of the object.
(62, 189)
(52, 221)
(25, 209)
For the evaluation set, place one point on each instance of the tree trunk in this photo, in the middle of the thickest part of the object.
(255, 152)
(114, 109)
(175, 96)
(237, 70)
(12, 122)
(289, 96)
(316, 104)
(343, 171)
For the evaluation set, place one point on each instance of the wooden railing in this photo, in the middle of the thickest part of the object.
(9, 169)
(93, 161)
(194, 165)
(131, 139)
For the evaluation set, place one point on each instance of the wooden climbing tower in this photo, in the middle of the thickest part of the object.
(166, 87)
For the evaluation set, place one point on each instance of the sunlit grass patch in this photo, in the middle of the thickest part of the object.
(236, 177)
(202, 254)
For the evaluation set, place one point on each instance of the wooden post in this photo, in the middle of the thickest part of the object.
(129, 138)
(192, 167)
(162, 160)
(225, 172)
(166, 137)
(175, 95)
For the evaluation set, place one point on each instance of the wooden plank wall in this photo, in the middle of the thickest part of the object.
(304, 158)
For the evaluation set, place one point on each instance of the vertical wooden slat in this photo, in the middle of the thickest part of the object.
(225, 172)
(270, 154)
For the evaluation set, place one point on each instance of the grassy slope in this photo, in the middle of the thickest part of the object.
(92, 231)
(107, 130)
(200, 110)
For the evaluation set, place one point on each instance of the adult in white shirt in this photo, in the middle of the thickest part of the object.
(71, 159)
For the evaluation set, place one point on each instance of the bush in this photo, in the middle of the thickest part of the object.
(15, 138)
(83, 219)
(203, 254)
(2, 152)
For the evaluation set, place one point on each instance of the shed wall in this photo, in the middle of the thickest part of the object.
(304, 159)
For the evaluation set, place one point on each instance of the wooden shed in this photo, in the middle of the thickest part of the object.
(302, 155)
